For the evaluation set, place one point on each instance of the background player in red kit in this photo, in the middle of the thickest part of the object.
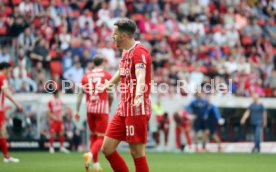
(56, 125)
(98, 108)
(130, 121)
(183, 125)
(5, 70)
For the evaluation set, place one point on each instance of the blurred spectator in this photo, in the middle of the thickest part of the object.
(23, 60)
(24, 84)
(75, 73)
(67, 60)
(258, 120)
(4, 55)
(26, 40)
(71, 131)
(40, 52)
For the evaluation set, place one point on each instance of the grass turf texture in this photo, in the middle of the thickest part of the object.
(159, 162)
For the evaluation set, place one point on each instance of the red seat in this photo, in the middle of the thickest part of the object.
(246, 40)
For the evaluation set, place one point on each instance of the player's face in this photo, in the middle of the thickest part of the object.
(117, 37)
(7, 72)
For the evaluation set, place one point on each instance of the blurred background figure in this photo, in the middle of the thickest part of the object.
(214, 118)
(198, 107)
(163, 124)
(183, 125)
(72, 133)
(257, 119)
(55, 114)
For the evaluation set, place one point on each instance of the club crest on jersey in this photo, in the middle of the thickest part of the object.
(124, 71)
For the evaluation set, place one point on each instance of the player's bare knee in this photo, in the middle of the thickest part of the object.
(136, 153)
(107, 150)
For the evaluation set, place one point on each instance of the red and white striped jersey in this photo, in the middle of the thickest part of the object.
(55, 107)
(96, 102)
(3, 84)
(136, 55)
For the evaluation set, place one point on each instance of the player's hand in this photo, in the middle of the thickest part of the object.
(242, 122)
(77, 116)
(20, 107)
(137, 100)
(221, 121)
(103, 87)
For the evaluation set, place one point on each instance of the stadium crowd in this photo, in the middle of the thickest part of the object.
(190, 40)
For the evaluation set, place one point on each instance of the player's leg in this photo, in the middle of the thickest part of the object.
(166, 135)
(205, 133)
(3, 142)
(61, 139)
(138, 153)
(116, 131)
(52, 137)
(4, 145)
(196, 127)
(186, 129)
(109, 150)
(217, 140)
(101, 125)
(88, 156)
(257, 135)
(136, 136)
(178, 137)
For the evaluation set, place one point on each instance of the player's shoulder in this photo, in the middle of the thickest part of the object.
(2, 77)
(140, 48)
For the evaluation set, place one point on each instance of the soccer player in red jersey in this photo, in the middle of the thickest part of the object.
(5, 70)
(56, 125)
(182, 121)
(130, 121)
(97, 107)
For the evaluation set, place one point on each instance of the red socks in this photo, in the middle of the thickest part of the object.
(117, 163)
(4, 147)
(93, 139)
(96, 148)
(61, 140)
(52, 139)
(141, 164)
(188, 137)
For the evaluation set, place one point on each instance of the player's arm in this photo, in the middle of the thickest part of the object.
(8, 94)
(245, 116)
(218, 115)
(140, 73)
(79, 99)
(110, 99)
(264, 119)
(113, 81)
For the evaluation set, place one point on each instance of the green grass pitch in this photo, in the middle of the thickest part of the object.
(159, 162)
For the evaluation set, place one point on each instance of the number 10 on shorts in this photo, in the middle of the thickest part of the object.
(130, 130)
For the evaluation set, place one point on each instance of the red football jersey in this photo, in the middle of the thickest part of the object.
(3, 84)
(55, 107)
(137, 54)
(96, 102)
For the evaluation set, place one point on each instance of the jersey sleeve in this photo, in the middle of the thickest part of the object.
(3, 82)
(140, 55)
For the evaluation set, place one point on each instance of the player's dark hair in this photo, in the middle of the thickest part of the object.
(126, 25)
(4, 65)
(98, 60)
